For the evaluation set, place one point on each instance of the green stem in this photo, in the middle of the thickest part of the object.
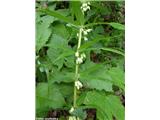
(75, 89)
(79, 40)
(77, 69)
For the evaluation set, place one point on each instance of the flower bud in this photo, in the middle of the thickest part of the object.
(77, 54)
(71, 110)
(85, 39)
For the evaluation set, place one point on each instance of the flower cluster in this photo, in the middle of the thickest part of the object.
(85, 6)
(78, 84)
(85, 33)
(80, 58)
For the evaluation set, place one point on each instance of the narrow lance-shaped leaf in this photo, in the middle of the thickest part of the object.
(115, 25)
(58, 15)
(75, 9)
(106, 49)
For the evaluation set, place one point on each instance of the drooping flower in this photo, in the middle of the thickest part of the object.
(85, 39)
(83, 56)
(85, 33)
(78, 84)
(79, 60)
(71, 110)
(77, 54)
(85, 6)
(89, 30)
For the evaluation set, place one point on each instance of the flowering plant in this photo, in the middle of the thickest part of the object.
(79, 60)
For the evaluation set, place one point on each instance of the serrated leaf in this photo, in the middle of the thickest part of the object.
(58, 46)
(117, 77)
(53, 54)
(70, 61)
(43, 31)
(98, 84)
(63, 76)
(99, 81)
(42, 36)
(107, 106)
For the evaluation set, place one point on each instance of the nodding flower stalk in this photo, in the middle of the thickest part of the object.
(80, 57)
(77, 84)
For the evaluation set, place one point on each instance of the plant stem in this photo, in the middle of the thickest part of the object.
(75, 89)
(77, 69)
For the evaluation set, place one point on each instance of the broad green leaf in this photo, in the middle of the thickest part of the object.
(90, 67)
(66, 89)
(58, 49)
(98, 77)
(60, 30)
(117, 77)
(54, 53)
(107, 106)
(70, 61)
(63, 76)
(43, 31)
(48, 97)
(97, 84)
(100, 80)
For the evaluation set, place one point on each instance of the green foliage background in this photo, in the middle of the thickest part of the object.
(102, 73)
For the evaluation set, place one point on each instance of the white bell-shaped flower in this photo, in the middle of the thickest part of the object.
(78, 84)
(85, 39)
(85, 6)
(79, 60)
(77, 54)
(89, 30)
(83, 56)
(71, 110)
